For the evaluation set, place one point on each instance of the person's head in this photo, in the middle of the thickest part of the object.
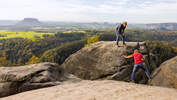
(136, 51)
(124, 24)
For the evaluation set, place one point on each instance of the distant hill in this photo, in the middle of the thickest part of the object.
(33, 23)
(95, 25)
(162, 26)
(157, 26)
(29, 22)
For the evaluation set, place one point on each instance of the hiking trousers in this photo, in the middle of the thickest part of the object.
(118, 37)
(140, 65)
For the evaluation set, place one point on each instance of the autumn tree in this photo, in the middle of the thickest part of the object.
(33, 60)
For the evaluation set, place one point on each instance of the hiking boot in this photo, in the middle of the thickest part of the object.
(150, 79)
(118, 45)
(132, 81)
(124, 44)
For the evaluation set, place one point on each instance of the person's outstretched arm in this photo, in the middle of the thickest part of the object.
(130, 56)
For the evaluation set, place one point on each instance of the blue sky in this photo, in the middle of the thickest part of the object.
(134, 11)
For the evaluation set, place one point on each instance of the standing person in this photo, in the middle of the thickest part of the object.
(138, 63)
(120, 32)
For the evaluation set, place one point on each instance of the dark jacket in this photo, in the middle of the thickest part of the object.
(120, 29)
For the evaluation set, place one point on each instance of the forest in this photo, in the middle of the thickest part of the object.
(56, 47)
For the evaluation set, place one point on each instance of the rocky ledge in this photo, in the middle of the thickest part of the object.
(24, 78)
(103, 60)
(98, 90)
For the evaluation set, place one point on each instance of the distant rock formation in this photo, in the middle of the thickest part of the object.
(29, 22)
(98, 90)
(103, 60)
(24, 78)
(166, 74)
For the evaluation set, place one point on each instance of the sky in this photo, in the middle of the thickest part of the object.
(133, 11)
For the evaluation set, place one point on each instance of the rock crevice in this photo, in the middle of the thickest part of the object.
(24, 78)
(103, 60)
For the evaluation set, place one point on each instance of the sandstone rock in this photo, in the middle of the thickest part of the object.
(166, 74)
(103, 60)
(98, 90)
(23, 78)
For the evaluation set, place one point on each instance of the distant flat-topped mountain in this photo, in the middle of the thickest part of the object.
(29, 22)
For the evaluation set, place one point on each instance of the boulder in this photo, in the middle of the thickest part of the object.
(103, 60)
(23, 78)
(166, 74)
(98, 90)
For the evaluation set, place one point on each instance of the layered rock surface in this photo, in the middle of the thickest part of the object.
(103, 60)
(24, 78)
(166, 74)
(98, 90)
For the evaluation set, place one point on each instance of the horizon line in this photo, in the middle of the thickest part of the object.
(90, 21)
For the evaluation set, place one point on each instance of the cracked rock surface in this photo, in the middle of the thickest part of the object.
(166, 74)
(24, 78)
(103, 60)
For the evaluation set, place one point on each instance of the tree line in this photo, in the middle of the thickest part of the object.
(57, 48)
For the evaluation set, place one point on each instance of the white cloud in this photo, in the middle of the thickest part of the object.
(93, 10)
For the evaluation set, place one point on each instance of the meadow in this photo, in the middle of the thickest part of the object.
(69, 32)
(22, 34)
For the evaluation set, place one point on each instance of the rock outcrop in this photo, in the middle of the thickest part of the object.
(103, 60)
(166, 74)
(98, 90)
(29, 22)
(23, 78)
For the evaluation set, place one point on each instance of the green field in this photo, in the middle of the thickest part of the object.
(69, 32)
(21, 34)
